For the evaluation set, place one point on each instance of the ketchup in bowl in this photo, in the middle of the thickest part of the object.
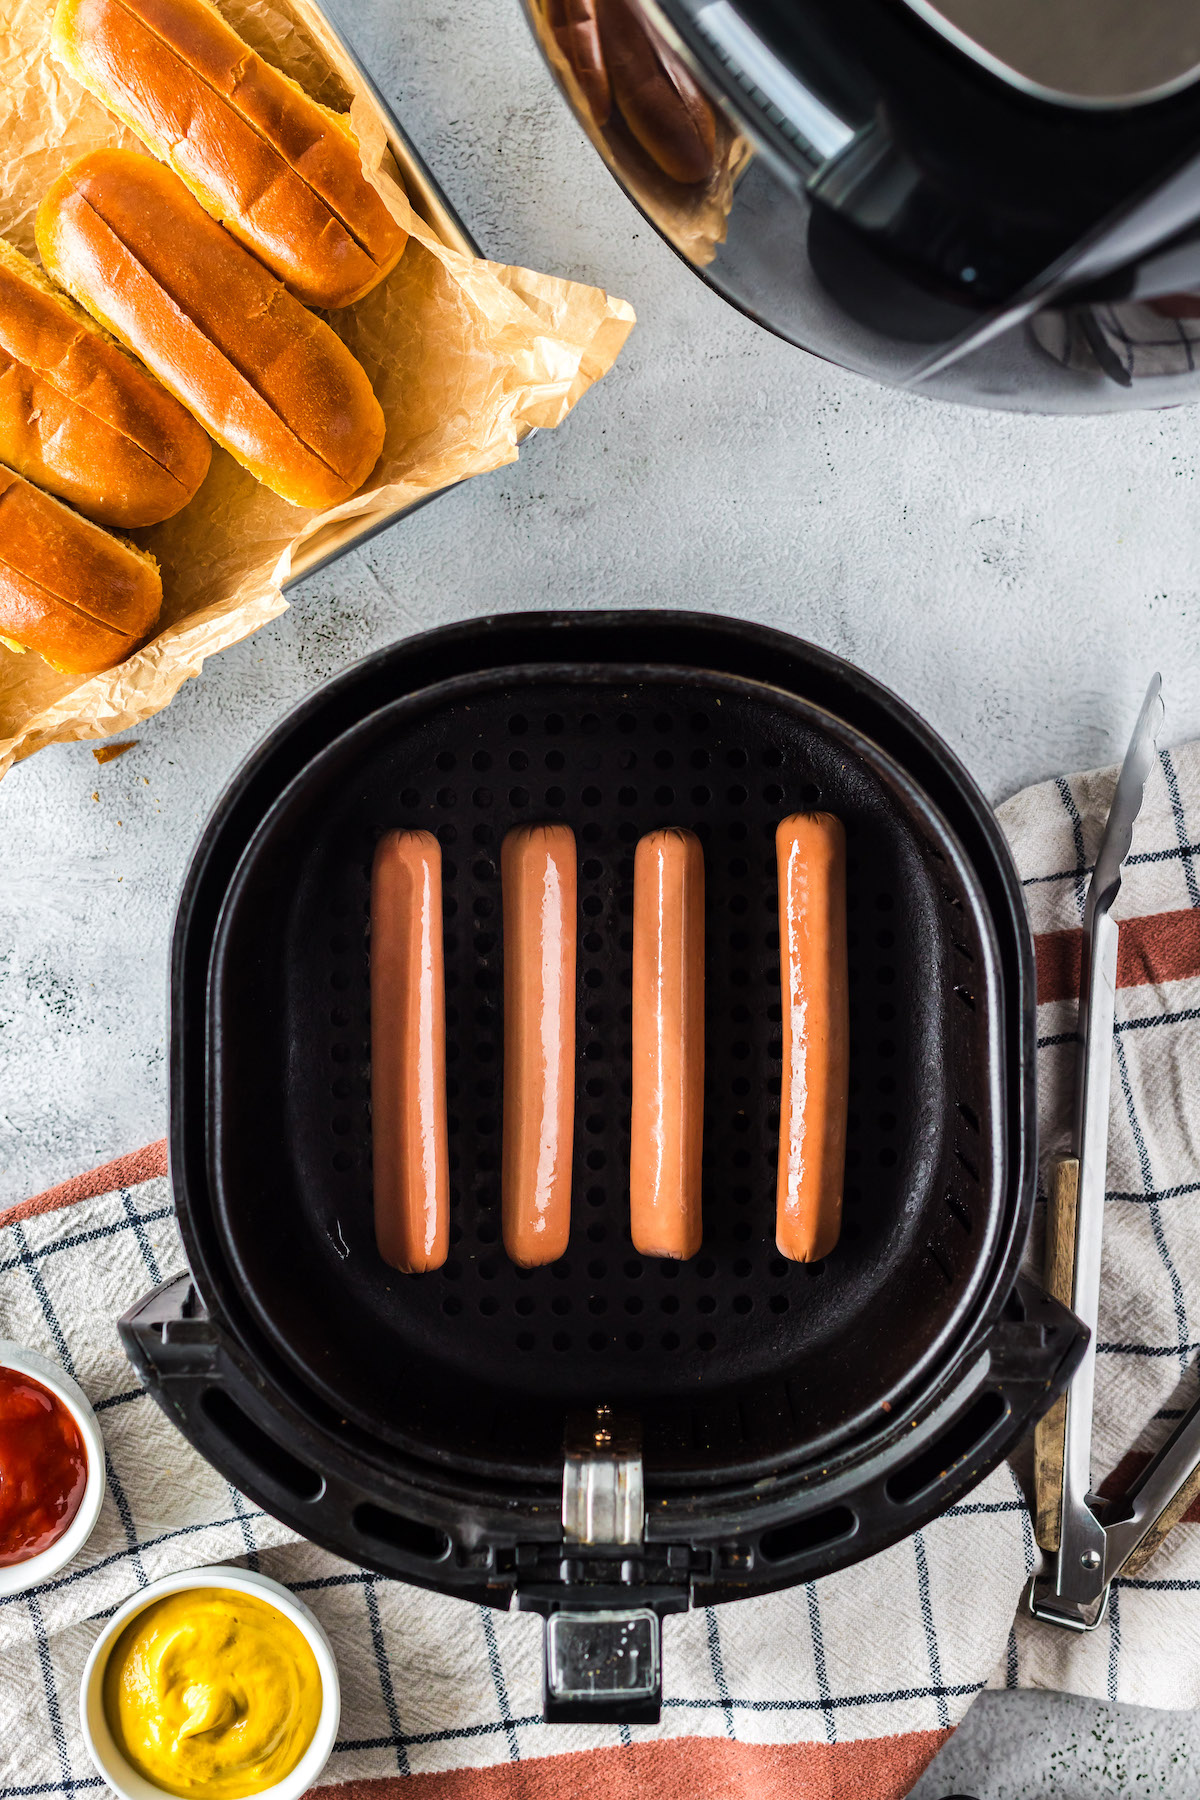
(43, 1467)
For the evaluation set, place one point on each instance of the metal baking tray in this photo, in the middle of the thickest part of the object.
(428, 199)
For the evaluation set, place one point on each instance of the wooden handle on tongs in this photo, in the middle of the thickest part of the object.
(1049, 1438)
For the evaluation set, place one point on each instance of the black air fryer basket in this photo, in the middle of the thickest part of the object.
(604, 1439)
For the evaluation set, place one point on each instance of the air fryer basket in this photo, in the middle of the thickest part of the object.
(784, 1418)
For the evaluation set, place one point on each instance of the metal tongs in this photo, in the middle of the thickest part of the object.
(1088, 1540)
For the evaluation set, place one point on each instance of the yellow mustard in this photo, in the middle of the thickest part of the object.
(212, 1694)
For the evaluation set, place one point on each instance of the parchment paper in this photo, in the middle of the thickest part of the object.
(466, 357)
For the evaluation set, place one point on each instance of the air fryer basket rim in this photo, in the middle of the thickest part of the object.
(233, 1287)
(690, 640)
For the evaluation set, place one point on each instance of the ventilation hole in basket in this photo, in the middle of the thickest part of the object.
(669, 1303)
(553, 724)
(706, 1304)
(597, 1304)
(589, 723)
(591, 796)
(959, 1211)
(481, 761)
(669, 1271)
(778, 1303)
(525, 1340)
(597, 1341)
(627, 759)
(664, 759)
(969, 1115)
(962, 950)
(968, 1165)
(482, 796)
(953, 1447)
(633, 1269)
(523, 1305)
(812, 1533)
(936, 1256)
(706, 1340)
(489, 1305)
(633, 1303)
(737, 796)
(451, 1306)
(664, 796)
(560, 1306)
(555, 760)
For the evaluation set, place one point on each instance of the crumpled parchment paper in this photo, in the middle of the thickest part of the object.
(466, 357)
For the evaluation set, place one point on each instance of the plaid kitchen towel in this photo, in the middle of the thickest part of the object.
(841, 1690)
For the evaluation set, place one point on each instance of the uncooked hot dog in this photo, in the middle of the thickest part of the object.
(667, 1121)
(811, 853)
(537, 873)
(408, 1053)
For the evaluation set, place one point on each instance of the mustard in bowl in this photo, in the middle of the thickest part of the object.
(214, 1685)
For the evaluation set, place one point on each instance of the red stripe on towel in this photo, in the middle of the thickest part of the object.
(125, 1171)
(1161, 947)
(694, 1768)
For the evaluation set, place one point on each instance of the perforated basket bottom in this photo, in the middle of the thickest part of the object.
(737, 1350)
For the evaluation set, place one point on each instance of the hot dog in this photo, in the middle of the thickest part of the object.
(408, 1053)
(667, 1120)
(537, 873)
(659, 101)
(811, 853)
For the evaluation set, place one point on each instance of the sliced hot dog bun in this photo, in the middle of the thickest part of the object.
(270, 381)
(262, 157)
(78, 596)
(80, 417)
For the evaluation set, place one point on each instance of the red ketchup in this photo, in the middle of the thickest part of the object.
(43, 1468)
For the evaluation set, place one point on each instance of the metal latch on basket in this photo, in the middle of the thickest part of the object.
(603, 1659)
(603, 1501)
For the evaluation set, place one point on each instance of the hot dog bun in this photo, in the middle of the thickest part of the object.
(657, 97)
(258, 154)
(82, 599)
(272, 383)
(80, 417)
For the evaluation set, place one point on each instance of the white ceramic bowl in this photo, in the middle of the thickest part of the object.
(18, 1576)
(111, 1764)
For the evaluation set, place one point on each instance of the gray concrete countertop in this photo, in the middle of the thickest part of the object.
(1016, 579)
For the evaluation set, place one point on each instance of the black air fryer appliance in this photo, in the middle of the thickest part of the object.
(992, 201)
(610, 1438)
